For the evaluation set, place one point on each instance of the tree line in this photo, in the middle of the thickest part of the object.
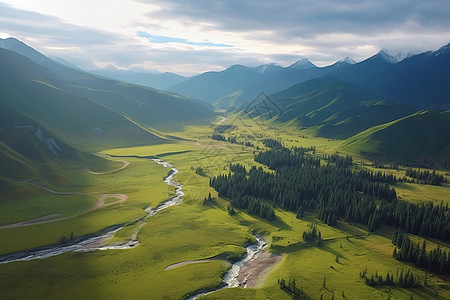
(426, 177)
(331, 190)
(290, 287)
(435, 260)
(233, 140)
(404, 279)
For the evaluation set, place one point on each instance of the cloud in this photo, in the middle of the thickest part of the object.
(195, 36)
(321, 30)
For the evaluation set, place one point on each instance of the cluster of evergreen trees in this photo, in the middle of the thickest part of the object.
(426, 177)
(404, 279)
(271, 143)
(340, 161)
(209, 200)
(199, 170)
(378, 177)
(300, 182)
(231, 210)
(218, 137)
(435, 260)
(232, 139)
(424, 219)
(332, 190)
(279, 157)
(291, 288)
(233, 187)
(312, 235)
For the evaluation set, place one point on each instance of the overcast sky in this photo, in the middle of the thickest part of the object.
(190, 37)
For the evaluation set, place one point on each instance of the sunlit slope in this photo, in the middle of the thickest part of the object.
(335, 108)
(41, 95)
(423, 135)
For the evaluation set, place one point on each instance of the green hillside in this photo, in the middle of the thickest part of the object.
(423, 136)
(28, 150)
(335, 109)
(347, 123)
(157, 109)
(41, 95)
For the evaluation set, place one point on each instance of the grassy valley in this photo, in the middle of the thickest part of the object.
(195, 231)
(159, 197)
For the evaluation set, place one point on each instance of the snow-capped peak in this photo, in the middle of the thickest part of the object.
(443, 49)
(384, 53)
(394, 57)
(345, 62)
(268, 68)
(348, 60)
(302, 64)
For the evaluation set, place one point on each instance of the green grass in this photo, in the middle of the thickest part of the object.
(414, 192)
(423, 135)
(42, 203)
(192, 231)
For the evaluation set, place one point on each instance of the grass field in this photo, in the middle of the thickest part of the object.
(193, 231)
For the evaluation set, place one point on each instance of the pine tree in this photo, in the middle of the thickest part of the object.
(319, 239)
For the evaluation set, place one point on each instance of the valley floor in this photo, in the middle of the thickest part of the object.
(187, 248)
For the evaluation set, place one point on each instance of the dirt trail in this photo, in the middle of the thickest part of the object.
(125, 164)
(44, 219)
(54, 217)
(187, 262)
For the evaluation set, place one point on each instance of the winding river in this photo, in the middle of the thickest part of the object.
(230, 279)
(93, 243)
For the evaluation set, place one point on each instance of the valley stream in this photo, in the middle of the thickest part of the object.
(95, 242)
(230, 279)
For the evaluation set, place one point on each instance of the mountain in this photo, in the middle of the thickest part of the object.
(211, 86)
(300, 71)
(422, 137)
(17, 46)
(28, 150)
(147, 106)
(52, 115)
(41, 95)
(345, 62)
(238, 85)
(421, 80)
(302, 64)
(159, 81)
(334, 108)
(64, 62)
(398, 56)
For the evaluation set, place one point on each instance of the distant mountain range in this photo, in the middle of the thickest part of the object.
(239, 84)
(421, 80)
(373, 104)
(160, 81)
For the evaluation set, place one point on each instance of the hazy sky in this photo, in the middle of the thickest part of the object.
(189, 37)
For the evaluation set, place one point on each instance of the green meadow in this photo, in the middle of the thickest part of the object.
(195, 231)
